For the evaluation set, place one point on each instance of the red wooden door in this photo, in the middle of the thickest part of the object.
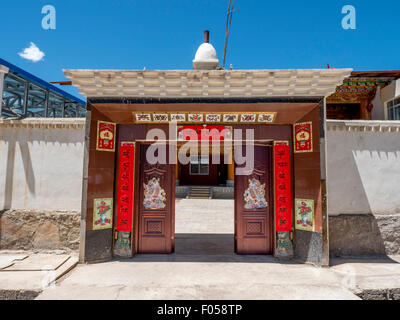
(156, 206)
(253, 205)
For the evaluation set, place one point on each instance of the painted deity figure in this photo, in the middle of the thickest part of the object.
(254, 196)
(154, 195)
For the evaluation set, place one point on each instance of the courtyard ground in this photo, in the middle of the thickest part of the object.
(205, 267)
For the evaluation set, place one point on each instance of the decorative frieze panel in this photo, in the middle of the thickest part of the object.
(206, 117)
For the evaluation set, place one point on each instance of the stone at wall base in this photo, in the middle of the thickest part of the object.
(364, 234)
(38, 230)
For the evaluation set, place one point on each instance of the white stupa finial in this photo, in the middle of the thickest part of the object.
(206, 55)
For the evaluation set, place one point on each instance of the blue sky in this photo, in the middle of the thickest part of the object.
(165, 34)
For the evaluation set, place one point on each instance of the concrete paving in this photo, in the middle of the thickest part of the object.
(7, 260)
(32, 271)
(144, 279)
(221, 275)
(204, 266)
(38, 262)
(204, 216)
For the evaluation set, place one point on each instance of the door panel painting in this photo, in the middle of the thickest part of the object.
(156, 206)
(253, 207)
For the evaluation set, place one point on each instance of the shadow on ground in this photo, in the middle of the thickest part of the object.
(206, 248)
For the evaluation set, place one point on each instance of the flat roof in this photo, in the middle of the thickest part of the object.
(207, 83)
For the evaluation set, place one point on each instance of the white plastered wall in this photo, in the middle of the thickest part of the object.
(41, 163)
(363, 167)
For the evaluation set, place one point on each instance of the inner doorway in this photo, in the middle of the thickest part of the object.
(204, 227)
(243, 225)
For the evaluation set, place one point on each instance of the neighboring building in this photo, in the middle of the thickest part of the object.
(390, 98)
(23, 95)
(364, 96)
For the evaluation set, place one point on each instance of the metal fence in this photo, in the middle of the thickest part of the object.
(25, 99)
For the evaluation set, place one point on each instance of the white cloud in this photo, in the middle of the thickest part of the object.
(32, 53)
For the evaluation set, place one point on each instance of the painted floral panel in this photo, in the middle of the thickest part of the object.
(231, 117)
(143, 117)
(213, 118)
(178, 117)
(195, 117)
(102, 214)
(154, 195)
(266, 117)
(305, 214)
(248, 117)
(160, 117)
(254, 196)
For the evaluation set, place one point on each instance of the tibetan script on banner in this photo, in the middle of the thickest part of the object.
(105, 136)
(125, 188)
(303, 137)
(283, 208)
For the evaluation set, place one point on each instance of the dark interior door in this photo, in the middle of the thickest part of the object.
(253, 207)
(156, 206)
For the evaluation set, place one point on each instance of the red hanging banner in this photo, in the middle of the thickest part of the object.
(283, 207)
(125, 188)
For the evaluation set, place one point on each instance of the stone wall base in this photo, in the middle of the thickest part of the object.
(349, 234)
(364, 234)
(18, 294)
(38, 230)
